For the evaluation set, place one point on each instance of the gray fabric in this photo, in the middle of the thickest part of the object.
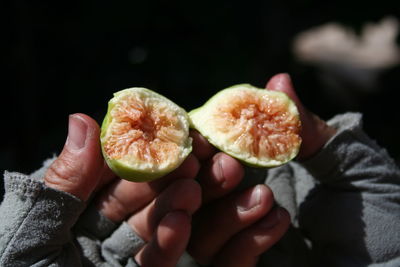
(345, 200)
(95, 224)
(38, 175)
(122, 244)
(344, 204)
(41, 226)
(36, 223)
(352, 215)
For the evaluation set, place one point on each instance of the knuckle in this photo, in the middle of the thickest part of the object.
(63, 175)
(187, 195)
(62, 171)
(113, 207)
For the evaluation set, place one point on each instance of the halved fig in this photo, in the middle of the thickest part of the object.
(257, 126)
(144, 135)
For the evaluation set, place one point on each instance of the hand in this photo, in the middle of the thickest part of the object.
(231, 228)
(159, 212)
(234, 228)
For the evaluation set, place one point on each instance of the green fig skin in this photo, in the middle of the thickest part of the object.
(134, 173)
(199, 121)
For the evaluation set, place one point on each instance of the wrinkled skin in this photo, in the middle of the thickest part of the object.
(234, 228)
(159, 211)
(230, 229)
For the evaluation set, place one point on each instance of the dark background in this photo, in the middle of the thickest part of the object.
(62, 58)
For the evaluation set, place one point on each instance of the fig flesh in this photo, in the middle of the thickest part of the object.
(259, 127)
(144, 135)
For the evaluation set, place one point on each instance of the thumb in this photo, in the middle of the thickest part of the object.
(77, 170)
(283, 83)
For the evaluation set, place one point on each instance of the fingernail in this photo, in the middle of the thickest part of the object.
(77, 130)
(249, 200)
(218, 169)
(285, 81)
(273, 218)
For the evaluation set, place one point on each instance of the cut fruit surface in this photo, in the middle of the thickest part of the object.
(144, 135)
(257, 126)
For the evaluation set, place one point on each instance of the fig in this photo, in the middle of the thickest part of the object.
(259, 127)
(144, 135)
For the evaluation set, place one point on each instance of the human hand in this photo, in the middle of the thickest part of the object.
(159, 212)
(234, 228)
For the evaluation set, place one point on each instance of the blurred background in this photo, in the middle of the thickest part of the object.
(62, 58)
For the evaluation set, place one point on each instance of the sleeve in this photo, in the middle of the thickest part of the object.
(35, 229)
(104, 243)
(352, 214)
(41, 226)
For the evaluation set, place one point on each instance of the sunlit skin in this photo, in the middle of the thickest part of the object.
(165, 212)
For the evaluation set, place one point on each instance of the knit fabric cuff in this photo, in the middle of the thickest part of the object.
(349, 150)
(327, 161)
(35, 214)
(92, 222)
(123, 244)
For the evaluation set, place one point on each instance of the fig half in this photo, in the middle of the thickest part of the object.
(257, 126)
(144, 135)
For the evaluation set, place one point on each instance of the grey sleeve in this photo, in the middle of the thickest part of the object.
(352, 213)
(104, 243)
(35, 229)
(41, 226)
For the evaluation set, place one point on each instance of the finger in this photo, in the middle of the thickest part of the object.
(202, 149)
(220, 175)
(228, 217)
(184, 195)
(187, 170)
(245, 247)
(169, 242)
(106, 177)
(77, 169)
(283, 83)
(123, 197)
